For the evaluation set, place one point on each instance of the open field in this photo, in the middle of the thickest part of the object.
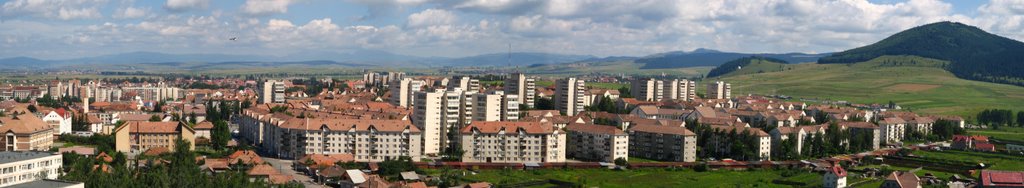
(650, 177)
(1015, 134)
(996, 161)
(917, 84)
(616, 67)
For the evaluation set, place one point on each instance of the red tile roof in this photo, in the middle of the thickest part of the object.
(205, 125)
(662, 129)
(991, 178)
(493, 127)
(595, 129)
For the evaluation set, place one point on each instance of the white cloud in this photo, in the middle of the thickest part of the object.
(264, 7)
(130, 13)
(182, 5)
(431, 17)
(55, 9)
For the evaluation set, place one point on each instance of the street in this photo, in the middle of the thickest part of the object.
(285, 167)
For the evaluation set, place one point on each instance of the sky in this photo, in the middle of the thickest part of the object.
(61, 29)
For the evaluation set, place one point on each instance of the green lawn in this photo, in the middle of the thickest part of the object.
(919, 173)
(641, 160)
(1004, 133)
(649, 177)
(919, 85)
(996, 161)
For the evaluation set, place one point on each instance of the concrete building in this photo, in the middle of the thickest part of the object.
(430, 114)
(60, 119)
(465, 83)
(719, 90)
(402, 91)
(20, 167)
(892, 130)
(382, 79)
(369, 140)
(569, 96)
(665, 143)
(513, 142)
(24, 132)
(647, 89)
(680, 89)
(835, 177)
(272, 91)
(600, 143)
(523, 86)
(495, 106)
(135, 137)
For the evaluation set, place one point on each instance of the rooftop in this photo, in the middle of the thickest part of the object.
(13, 156)
(47, 183)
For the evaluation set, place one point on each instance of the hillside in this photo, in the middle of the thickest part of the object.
(705, 57)
(748, 65)
(917, 83)
(974, 54)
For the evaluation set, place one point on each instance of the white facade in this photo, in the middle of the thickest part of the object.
(22, 167)
(512, 142)
(719, 90)
(465, 83)
(402, 91)
(523, 86)
(62, 122)
(272, 91)
(429, 116)
(647, 89)
(680, 89)
(569, 96)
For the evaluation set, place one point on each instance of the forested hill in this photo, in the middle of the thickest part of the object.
(974, 53)
(759, 64)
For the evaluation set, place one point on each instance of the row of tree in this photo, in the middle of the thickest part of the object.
(999, 117)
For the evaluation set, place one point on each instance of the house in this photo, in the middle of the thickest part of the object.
(203, 129)
(901, 179)
(961, 142)
(59, 119)
(835, 177)
(992, 178)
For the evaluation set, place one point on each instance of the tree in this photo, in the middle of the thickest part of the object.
(541, 104)
(220, 134)
(392, 167)
(192, 118)
(32, 108)
(621, 162)
(246, 104)
(1020, 118)
(158, 107)
(155, 118)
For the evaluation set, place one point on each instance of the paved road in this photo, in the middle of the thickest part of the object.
(285, 166)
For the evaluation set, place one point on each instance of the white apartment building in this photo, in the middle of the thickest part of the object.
(523, 86)
(495, 106)
(402, 91)
(569, 96)
(600, 143)
(647, 89)
(892, 130)
(272, 91)
(26, 166)
(465, 83)
(369, 140)
(719, 90)
(660, 142)
(512, 142)
(680, 89)
(161, 92)
(59, 119)
(429, 115)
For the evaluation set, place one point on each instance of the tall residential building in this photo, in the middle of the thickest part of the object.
(601, 143)
(429, 115)
(402, 91)
(680, 89)
(465, 83)
(495, 106)
(382, 79)
(719, 90)
(525, 87)
(27, 166)
(569, 96)
(272, 91)
(512, 142)
(647, 89)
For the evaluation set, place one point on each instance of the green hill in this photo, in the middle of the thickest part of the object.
(748, 65)
(920, 84)
(974, 54)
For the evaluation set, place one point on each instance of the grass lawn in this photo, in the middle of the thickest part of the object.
(1015, 134)
(995, 161)
(648, 177)
(870, 184)
(919, 173)
(921, 86)
(641, 160)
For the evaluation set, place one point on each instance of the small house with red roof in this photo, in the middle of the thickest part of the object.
(835, 177)
(991, 178)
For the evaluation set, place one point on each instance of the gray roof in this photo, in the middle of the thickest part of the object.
(410, 175)
(46, 183)
(12, 156)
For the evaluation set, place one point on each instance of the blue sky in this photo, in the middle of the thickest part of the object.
(58, 29)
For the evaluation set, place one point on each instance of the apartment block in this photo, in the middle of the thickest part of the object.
(665, 143)
(272, 91)
(647, 89)
(402, 91)
(569, 94)
(601, 143)
(430, 114)
(513, 142)
(465, 83)
(495, 106)
(680, 89)
(369, 140)
(20, 167)
(719, 90)
(135, 137)
(523, 86)
(25, 132)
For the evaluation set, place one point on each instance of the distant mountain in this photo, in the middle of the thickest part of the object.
(974, 54)
(522, 59)
(751, 64)
(153, 57)
(707, 57)
(23, 63)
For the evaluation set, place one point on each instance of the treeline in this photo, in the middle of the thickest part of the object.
(999, 117)
(734, 65)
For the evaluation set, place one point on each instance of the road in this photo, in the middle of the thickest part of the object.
(285, 166)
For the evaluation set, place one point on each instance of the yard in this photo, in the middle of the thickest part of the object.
(651, 177)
